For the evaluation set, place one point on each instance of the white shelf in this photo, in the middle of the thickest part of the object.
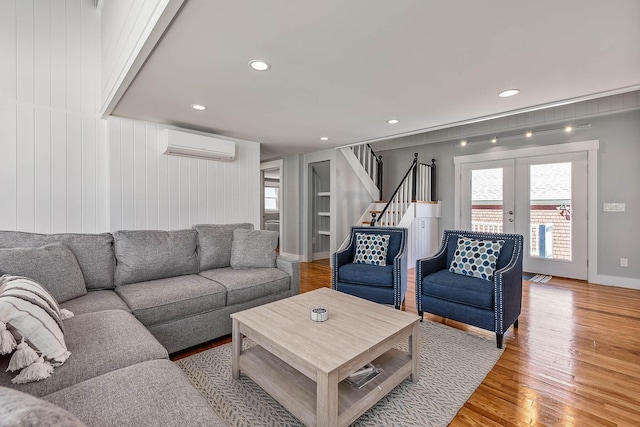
(324, 233)
(324, 213)
(324, 194)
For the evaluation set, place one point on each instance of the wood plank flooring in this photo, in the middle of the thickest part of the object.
(574, 361)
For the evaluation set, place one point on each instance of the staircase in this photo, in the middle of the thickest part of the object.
(417, 185)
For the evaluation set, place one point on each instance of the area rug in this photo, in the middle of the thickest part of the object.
(453, 363)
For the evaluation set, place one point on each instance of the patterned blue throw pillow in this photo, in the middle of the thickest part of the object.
(476, 258)
(371, 249)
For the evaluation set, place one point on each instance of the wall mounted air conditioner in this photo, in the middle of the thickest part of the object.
(187, 144)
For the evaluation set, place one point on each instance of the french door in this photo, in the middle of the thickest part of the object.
(544, 198)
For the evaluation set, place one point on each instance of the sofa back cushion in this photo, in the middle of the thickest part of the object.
(215, 242)
(143, 255)
(93, 252)
(53, 266)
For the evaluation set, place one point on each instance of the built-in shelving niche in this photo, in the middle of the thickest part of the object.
(321, 209)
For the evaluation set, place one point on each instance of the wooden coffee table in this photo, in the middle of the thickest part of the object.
(302, 363)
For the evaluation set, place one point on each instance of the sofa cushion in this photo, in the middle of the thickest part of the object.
(96, 301)
(99, 342)
(154, 393)
(365, 274)
(476, 258)
(28, 308)
(53, 266)
(94, 252)
(247, 285)
(22, 410)
(460, 289)
(214, 244)
(253, 249)
(162, 300)
(371, 249)
(143, 255)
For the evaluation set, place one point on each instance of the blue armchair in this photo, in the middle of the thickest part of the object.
(381, 284)
(493, 304)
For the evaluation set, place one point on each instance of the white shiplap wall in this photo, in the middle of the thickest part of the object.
(151, 190)
(53, 168)
(63, 169)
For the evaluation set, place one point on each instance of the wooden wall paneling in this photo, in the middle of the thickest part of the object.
(74, 172)
(90, 61)
(89, 186)
(140, 175)
(24, 53)
(8, 181)
(102, 176)
(127, 159)
(183, 192)
(42, 169)
(174, 192)
(58, 55)
(164, 211)
(25, 168)
(8, 50)
(42, 54)
(152, 187)
(201, 195)
(193, 191)
(74, 70)
(218, 178)
(58, 171)
(114, 143)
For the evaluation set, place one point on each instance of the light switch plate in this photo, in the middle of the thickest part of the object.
(613, 207)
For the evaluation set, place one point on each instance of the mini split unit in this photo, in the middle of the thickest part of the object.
(187, 144)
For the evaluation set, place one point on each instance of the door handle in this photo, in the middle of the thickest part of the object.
(510, 212)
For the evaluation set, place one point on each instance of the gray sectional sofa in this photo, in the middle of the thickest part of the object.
(138, 296)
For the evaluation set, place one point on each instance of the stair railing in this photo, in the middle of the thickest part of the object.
(371, 163)
(418, 183)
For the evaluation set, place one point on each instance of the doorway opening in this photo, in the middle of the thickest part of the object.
(271, 199)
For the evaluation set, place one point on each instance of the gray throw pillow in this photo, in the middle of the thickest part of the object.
(23, 410)
(143, 255)
(214, 244)
(53, 266)
(253, 249)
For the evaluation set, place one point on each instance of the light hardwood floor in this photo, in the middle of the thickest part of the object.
(574, 361)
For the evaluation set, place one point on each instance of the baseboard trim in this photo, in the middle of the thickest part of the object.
(291, 256)
(621, 282)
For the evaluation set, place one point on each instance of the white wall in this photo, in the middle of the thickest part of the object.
(62, 170)
(151, 190)
(53, 173)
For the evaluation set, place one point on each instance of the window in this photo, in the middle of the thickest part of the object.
(271, 199)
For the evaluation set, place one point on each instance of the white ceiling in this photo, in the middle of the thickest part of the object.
(342, 68)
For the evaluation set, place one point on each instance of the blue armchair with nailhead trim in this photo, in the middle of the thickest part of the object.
(382, 284)
(493, 304)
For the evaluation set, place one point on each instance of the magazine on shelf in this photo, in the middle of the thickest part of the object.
(362, 376)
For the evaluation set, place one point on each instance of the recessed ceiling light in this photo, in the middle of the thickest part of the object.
(198, 107)
(324, 138)
(259, 65)
(463, 142)
(568, 128)
(508, 92)
(494, 140)
(393, 121)
(529, 134)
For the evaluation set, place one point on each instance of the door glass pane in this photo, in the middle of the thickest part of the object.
(486, 200)
(550, 211)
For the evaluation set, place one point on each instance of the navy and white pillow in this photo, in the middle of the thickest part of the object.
(371, 249)
(476, 258)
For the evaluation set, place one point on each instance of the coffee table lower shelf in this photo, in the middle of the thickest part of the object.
(298, 393)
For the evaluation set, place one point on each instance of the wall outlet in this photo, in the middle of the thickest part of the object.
(613, 207)
(624, 262)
